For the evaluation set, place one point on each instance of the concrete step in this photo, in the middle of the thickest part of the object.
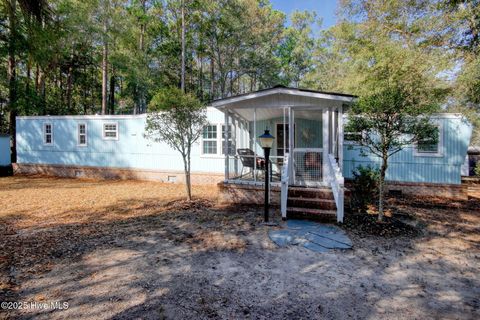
(312, 203)
(319, 193)
(312, 214)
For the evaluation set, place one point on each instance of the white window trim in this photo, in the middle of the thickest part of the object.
(45, 134)
(352, 142)
(103, 131)
(78, 134)
(440, 151)
(218, 154)
(219, 139)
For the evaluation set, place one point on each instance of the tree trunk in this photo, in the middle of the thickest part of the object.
(42, 92)
(182, 81)
(105, 59)
(212, 78)
(111, 97)
(69, 88)
(188, 186)
(12, 76)
(139, 88)
(381, 189)
(200, 77)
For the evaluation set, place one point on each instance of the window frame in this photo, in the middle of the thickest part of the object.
(351, 142)
(440, 150)
(219, 140)
(202, 140)
(79, 144)
(116, 131)
(222, 140)
(45, 143)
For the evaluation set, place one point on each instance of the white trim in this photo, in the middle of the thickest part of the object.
(340, 137)
(217, 154)
(440, 149)
(44, 136)
(85, 134)
(219, 139)
(444, 115)
(307, 149)
(117, 131)
(84, 117)
(353, 142)
(325, 136)
(326, 96)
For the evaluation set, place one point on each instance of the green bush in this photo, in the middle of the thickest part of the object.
(477, 169)
(364, 188)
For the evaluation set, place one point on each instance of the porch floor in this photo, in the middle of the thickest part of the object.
(311, 235)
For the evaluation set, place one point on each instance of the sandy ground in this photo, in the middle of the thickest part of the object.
(128, 250)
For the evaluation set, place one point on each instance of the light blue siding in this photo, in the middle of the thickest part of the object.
(407, 167)
(131, 150)
(4, 150)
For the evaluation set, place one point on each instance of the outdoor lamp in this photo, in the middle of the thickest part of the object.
(266, 141)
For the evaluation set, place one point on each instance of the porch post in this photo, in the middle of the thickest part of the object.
(291, 137)
(225, 147)
(233, 143)
(326, 138)
(254, 144)
(340, 137)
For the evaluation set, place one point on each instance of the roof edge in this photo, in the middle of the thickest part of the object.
(281, 88)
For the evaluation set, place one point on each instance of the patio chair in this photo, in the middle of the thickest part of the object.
(313, 164)
(247, 157)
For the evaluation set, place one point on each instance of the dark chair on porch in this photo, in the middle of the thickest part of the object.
(247, 157)
(313, 165)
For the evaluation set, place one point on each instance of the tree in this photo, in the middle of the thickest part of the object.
(389, 120)
(463, 16)
(295, 50)
(176, 118)
(106, 9)
(182, 80)
(38, 10)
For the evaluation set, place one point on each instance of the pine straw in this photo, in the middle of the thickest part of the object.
(44, 220)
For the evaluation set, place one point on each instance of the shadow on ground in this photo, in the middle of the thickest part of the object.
(144, 258)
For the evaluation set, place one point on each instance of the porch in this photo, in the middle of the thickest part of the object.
(308, 147)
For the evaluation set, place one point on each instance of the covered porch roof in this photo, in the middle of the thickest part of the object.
(270, 102)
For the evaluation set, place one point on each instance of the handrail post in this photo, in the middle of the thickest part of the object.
(284, 185)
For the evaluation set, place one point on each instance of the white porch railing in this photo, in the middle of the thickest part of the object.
(336, 181)
(284, 185)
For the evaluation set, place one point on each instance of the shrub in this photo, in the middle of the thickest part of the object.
(364, 188)
(477, 169)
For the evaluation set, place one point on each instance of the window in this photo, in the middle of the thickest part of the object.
(231, 143)
(209, 139)
(428, 148)
(47, 134)
(82, 134)
(110, 131)
(351, 137)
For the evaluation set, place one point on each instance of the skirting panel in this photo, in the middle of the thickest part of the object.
(116, 173)
(452, 191)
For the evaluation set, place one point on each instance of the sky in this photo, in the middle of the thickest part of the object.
(323, 8)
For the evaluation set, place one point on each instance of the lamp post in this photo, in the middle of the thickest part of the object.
(266, 141)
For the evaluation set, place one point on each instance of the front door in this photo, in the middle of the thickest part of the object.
(308, 148)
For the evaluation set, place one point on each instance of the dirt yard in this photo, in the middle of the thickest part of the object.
(130, 249)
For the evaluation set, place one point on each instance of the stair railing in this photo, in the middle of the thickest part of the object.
(337, 183)
(284, 186)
